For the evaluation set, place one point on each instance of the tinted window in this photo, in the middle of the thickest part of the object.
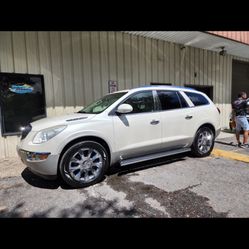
(171, 100)
(197, 99)
(141, 102)
(183, 101)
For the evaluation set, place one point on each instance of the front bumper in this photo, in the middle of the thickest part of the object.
(47, 167)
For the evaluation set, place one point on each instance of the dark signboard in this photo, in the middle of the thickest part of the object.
(160, 84)
(208, 90)
(22, 100)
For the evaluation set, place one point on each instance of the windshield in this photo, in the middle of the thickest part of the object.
(103, 103)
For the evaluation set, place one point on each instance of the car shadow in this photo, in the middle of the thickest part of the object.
(37, 181)
(123, 170)
(226, 143)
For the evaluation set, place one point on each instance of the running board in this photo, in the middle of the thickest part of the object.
(153, 156)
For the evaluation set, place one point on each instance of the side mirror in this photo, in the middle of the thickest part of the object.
(124, 108)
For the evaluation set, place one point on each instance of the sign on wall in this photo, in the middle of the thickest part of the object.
(112, 86)
(22, 100)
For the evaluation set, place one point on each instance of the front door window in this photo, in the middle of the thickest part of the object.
(141, 102)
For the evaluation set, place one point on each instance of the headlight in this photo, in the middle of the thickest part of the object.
(45, 135)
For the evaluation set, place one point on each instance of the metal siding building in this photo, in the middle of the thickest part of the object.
(77, 66)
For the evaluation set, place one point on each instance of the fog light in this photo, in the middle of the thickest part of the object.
(37, 156)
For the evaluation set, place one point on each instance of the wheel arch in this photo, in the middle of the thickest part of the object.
(209, 125)
(85, 138)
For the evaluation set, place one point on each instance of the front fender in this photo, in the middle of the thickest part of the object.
(85, 133)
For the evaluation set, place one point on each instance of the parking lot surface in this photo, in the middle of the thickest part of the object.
(180, 186)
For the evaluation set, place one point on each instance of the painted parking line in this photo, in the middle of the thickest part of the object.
(230, 155)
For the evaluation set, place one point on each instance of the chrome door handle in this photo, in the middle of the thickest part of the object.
(154, 122)
(188, 117)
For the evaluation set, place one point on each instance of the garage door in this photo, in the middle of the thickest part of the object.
(240, 78)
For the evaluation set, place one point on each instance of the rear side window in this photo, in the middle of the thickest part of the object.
(197, 99)
(171, 100)
(183, 101)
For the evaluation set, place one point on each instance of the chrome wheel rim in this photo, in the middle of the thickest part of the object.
(205, 141)
(85, 165)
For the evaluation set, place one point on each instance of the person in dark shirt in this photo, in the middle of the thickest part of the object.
(240, 106)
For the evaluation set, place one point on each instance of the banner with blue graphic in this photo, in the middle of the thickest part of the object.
(21, 89)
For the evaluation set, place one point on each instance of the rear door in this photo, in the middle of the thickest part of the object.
(204, 111)
(177, 120)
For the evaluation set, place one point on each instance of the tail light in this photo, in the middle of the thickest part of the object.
(218, 110)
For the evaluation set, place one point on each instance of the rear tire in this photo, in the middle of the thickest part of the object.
(84, 164)
(203, 143)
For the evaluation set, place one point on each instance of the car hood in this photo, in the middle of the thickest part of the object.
(60, 120)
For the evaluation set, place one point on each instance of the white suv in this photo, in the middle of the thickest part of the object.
(127, 127)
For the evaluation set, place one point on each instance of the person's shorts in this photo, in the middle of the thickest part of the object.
(241, 122)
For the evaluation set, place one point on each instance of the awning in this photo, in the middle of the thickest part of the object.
(198, 39)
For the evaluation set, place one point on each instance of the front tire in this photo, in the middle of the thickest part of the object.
(203, 143)
(84, 164)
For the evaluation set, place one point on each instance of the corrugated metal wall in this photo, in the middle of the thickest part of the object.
(77, 66)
